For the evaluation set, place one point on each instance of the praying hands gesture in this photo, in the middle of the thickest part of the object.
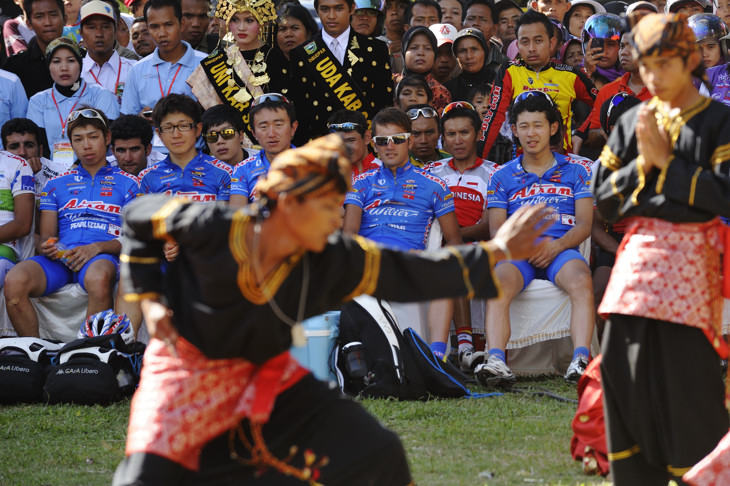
(652, 141)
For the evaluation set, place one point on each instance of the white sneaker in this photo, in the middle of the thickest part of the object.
(494, 372)
(576, 369)
(470, 358)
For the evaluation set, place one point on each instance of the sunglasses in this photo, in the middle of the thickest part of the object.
(615, 101)
(397, 139)
(86, 113)
(527, 94)
(343, 127)
(212, 137)
(458, 104)
(366, 11)
(272, 97)
(426, 112)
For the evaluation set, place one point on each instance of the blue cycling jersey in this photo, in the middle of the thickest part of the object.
(559, 187)
(203, 179)
(89, 207)
(246, 173)
(398, 210)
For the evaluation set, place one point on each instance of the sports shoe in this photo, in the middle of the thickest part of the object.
(469, 358)
(576, 369)
(494, 372)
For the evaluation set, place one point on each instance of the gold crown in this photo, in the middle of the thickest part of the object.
(263, 10)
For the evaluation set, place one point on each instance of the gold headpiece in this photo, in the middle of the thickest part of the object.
(263, 10)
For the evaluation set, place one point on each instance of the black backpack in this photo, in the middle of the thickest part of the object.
(24, 364)
(94, 370)
(372, 358)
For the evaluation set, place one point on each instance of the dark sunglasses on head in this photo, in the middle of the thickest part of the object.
(397, 139)
(212, 137)
(343, 127)
(426, 112)
(273, 97)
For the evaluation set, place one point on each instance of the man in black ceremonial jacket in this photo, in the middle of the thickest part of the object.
(338, 68)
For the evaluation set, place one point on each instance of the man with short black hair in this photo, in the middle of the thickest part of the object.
(422, 13)
(141, 38)
(339, 68)
(482, 15)
(508, 13)
(165, 70)
(46, 18)
(352, 126)
(132, 144)
(273, 122)
(102, 65)
(425, 132)
(223, 131)
(194, 27)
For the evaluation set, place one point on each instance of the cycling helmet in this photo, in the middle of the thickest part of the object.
(105, 323)
(602, 26)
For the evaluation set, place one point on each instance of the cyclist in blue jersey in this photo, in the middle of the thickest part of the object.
(80, 227)
(541, 176)
(273, 123)
(396, 203)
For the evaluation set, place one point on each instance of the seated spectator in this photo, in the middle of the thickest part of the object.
(554, 9)
(167, 68)
(710, 31)
(508, 12)
(415, 198)
(467, 177)
(478, 97)
(23, 138)
(16, 210)
(413, 90)
(687, 7)
(478, 62)
(367, 19)
(46, 19)
(223, 131)
(481, 15)
(273, 121)
(421, 13)
(102, 65)
(540, 175)
(445, 63)
(425, 134)
(294, 26)
(353, 128)
(141, 38)
(419, 52)
(50, 108)
(194, 26)
(80, 230)
(572, 53)
(394, 29)
(132, 144)
(451, 13)
(13, 102)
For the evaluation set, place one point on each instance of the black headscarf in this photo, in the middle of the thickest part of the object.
(408, 37)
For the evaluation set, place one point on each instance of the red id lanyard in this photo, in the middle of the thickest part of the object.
(173, 80)
(119, 72)
(63, 122)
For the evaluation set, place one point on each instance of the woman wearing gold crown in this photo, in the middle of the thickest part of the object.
(244, 65)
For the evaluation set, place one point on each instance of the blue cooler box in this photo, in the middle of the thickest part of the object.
(321, 332)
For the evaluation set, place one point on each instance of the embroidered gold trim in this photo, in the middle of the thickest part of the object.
(693, 187)
(614, 189)
(492, 265)
(464, 271)
(133, 259)
(609, 160)
(371, 268)
(640, 161)
(663, 176)
(720, 155)
(678, 471)
(159, 225)
(617, 456)
(132, 297)
(259, 294)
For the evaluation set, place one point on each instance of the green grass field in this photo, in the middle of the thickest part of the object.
(507, 440)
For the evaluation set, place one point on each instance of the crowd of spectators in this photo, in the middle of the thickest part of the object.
(433, 99)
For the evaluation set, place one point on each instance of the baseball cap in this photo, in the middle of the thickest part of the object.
(641, 5)
(97, 7)
(445, 33)
(597, 7)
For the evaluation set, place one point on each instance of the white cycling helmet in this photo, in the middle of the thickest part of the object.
(105, 323)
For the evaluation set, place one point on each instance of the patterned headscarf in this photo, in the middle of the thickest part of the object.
(662, 35)
(319, 167)
(57, 44)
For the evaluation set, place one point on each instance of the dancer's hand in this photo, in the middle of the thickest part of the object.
(522, 232)
(158, 319)
(652, 141)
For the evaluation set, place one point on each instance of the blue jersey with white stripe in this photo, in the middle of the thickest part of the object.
(246, 173)
(511, 187)
(203, 179)
(397, 210)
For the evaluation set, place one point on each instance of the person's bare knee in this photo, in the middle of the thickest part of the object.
(100, 279)
(23, 281)
(575, 279)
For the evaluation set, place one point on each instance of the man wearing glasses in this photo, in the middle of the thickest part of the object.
(80, 227)
(352, 126)
(185, 172)
(223, 131)
(396, 204)
(273, 122)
